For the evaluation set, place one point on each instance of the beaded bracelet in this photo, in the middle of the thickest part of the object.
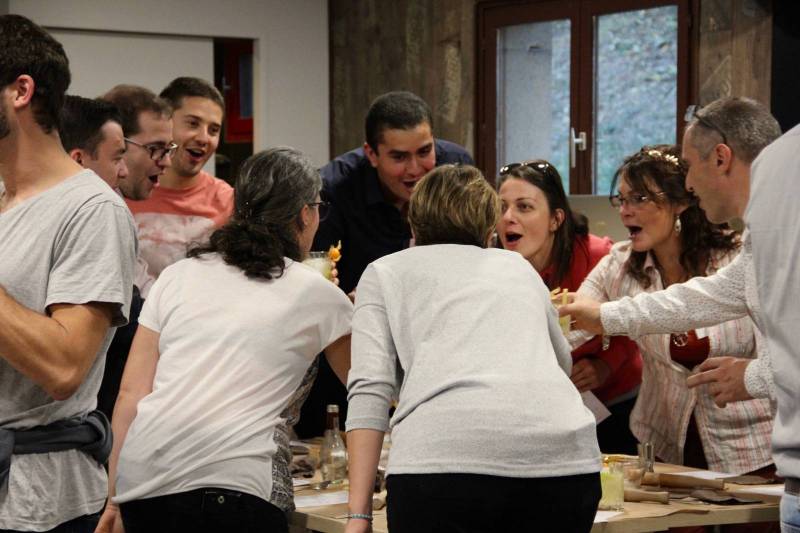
(362, 516)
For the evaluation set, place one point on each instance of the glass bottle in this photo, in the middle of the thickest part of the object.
(333, 455)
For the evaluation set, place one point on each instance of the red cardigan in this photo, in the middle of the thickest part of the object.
(622, 355)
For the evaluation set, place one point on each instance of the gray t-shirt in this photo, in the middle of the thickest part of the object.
(73, 243)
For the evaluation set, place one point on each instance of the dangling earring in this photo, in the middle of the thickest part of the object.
(678, 226)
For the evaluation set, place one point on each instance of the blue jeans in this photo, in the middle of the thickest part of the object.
(790, 513)
(82, 524)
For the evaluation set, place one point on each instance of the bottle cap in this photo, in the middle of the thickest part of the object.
(332, 408)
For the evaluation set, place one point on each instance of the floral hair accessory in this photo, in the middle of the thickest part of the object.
(656, 154)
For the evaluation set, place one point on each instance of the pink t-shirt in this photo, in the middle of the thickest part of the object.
(171, 220)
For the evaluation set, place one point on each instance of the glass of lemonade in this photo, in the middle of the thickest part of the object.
(321, 262)
(613, 486)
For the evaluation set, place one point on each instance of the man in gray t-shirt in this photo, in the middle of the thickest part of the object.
(67, 249)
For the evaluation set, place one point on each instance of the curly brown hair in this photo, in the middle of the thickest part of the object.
(271, 190)
(659, 168)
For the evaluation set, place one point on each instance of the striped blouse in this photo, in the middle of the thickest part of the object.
(735, 438)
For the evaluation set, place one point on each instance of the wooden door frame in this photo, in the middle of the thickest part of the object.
(494, 14)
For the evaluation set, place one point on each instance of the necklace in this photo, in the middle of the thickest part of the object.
(678, 339)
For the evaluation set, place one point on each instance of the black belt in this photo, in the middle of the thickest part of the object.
(792, 486)
(90, 434)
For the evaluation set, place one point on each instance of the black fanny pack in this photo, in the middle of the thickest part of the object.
(90, 434)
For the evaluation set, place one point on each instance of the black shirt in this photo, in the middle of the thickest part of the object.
(369, 228)
(117, 356)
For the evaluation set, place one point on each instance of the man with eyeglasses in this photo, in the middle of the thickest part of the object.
(369, 189)
(147, 128)
(91, 132)
(723, 144)
(188, 203)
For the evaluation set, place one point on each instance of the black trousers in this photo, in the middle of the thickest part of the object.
(473, 503)
(207, 510)
(614, 433)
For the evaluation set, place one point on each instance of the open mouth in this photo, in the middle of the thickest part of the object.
(197, 154)
(153, 178)
(410, 184)
(512, 237)
(633, 231)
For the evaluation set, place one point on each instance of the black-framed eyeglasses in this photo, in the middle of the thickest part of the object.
(157, 151)
(692, 114)
(634, 200)
(542, 166)
(323, 208)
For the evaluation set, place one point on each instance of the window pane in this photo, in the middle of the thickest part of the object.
(533, 94)
(636, 74)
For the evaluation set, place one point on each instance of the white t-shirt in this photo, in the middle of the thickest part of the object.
(232, 351)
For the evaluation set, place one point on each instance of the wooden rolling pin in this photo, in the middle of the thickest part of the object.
(639, 495)
(679, 481)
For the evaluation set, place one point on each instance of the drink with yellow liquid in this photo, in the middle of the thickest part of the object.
(320, 262)
(323, 262)
(612, 482)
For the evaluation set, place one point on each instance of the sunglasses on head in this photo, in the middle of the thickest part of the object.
(541, 166)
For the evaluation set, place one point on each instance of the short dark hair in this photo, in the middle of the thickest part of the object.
(186, 86)
(398, 110)
(271, 190)
(659, 168)
(747, 125)
(131, 101)
(81, 122)
(544, 176)
(453, 204)
(26, 48)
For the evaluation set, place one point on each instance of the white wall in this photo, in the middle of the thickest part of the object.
(603, 219)
(291, 87)
(99, 60)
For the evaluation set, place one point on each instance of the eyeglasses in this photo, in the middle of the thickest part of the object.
(323, 208)
(542, 166)
(157, 151)
(692, 114)
(633, 200)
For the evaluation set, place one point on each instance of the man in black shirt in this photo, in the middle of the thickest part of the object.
(368, 190)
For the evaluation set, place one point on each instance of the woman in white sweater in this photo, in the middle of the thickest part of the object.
(467, 339)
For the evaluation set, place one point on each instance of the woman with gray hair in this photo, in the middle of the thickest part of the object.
(225, 339)
(467, 339)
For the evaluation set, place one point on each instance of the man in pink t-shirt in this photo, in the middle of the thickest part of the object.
(188, 203)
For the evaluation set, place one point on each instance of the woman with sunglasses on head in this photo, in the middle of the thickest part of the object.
(537, 222)
(467, 339)
(671, 241)
(220, 361)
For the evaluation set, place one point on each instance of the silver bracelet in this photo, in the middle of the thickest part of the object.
(361, 516)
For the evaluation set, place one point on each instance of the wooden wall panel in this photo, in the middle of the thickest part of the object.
(735, 49)
(424, 46)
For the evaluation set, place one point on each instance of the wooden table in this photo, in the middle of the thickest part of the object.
(637, 517)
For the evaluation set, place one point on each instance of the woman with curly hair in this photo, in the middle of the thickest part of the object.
(671, 241)
(225, 339)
